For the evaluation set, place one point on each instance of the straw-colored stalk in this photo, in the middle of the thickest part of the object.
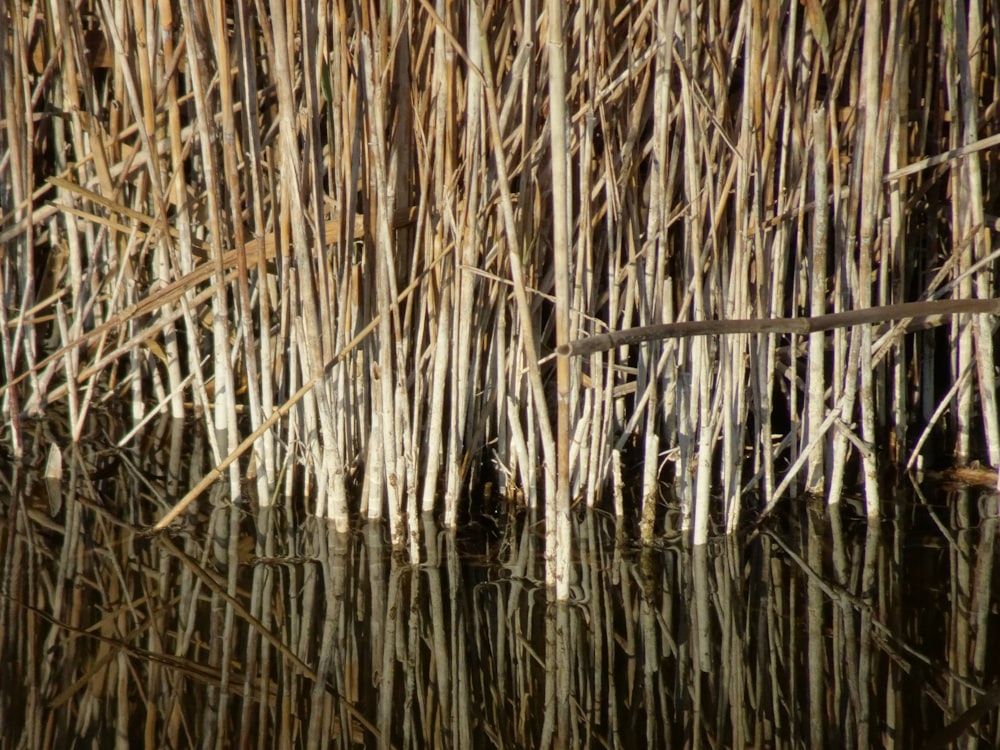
(817, 306)
(557, 515)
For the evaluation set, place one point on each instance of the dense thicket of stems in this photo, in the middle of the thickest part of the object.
(348, 235)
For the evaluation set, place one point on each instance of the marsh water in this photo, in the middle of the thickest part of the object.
(249, 627)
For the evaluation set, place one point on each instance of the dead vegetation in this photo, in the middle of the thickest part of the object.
(349, 235)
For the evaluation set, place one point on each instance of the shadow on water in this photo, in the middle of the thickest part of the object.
(259, 628)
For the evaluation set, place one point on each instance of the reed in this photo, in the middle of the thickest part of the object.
(350, 237)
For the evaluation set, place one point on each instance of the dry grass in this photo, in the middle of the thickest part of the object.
(364, 227)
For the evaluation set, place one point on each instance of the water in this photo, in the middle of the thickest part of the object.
(249, 628)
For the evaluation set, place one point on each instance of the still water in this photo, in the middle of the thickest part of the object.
(248, 628)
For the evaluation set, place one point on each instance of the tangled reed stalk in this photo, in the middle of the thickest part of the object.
(348, 235)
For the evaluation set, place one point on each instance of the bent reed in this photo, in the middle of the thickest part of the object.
(352, 236)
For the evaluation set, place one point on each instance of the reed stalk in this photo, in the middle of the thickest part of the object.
(558, 521)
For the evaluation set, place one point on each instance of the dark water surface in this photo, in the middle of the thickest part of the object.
(250, 628)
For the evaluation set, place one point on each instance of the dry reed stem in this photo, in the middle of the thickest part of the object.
(557, 510)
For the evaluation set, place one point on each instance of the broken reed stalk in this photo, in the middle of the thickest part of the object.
(919, 314)
(407, 207)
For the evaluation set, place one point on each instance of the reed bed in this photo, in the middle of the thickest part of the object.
(351, 237)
